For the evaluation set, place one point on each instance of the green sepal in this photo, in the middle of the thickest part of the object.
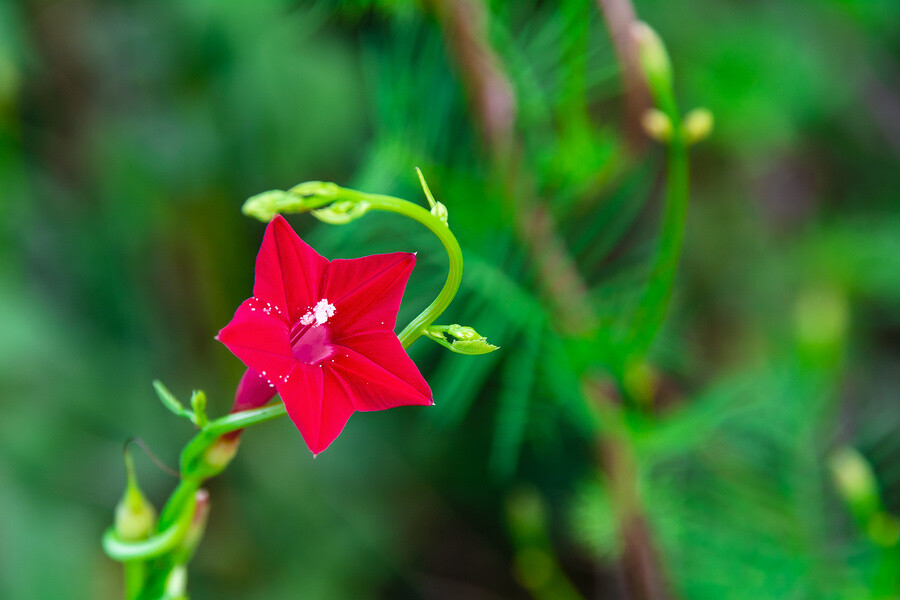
(170, 401)
(466, 340)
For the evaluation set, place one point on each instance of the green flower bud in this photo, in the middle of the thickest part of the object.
(266, 205)
(657, 125)
(855, 482)
(653, 57)
(341, 212)
(135, 517)
(324, 191)
(198, 404)
(303, 197)
(698, 124)
(466, 340)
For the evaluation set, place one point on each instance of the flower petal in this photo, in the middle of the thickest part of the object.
(289, 272)
(253, 391)
(378, 373)
(366, 292)
(316, 404)
(259, 339)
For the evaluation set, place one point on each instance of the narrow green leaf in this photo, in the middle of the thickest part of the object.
(168, 399)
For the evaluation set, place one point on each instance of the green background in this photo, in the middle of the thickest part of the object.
(131, 133)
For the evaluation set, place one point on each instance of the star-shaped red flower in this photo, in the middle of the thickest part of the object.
(322, 333)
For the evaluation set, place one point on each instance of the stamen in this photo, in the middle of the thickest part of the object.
(320, 313)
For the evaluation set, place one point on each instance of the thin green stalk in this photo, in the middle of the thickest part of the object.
(193, 469)
(416, 327)
(651, 310)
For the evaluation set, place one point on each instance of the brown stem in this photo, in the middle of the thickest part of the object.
(619, 16)
(493, 103)
(489, 91)
(642, 573)
(493, 106)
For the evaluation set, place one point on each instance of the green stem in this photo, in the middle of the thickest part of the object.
(416, 327)
(193, 470)
(135, 578)
(651, 310)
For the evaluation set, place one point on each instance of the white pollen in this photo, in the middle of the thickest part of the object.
(320, 313)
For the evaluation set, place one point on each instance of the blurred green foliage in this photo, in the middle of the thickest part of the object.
(131, 132)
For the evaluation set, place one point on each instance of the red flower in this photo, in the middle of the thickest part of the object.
(322, 333)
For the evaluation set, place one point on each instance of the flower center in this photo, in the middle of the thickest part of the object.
(310, 337)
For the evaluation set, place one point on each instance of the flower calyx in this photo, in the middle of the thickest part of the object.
(465, 339)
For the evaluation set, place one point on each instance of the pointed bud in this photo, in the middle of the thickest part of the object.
(198, 404)
(855, 482)
(266, 205)
(303, 197)
(436, 208)
(657, 125)
(698, 124)
(653, 57)
(135, 517)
